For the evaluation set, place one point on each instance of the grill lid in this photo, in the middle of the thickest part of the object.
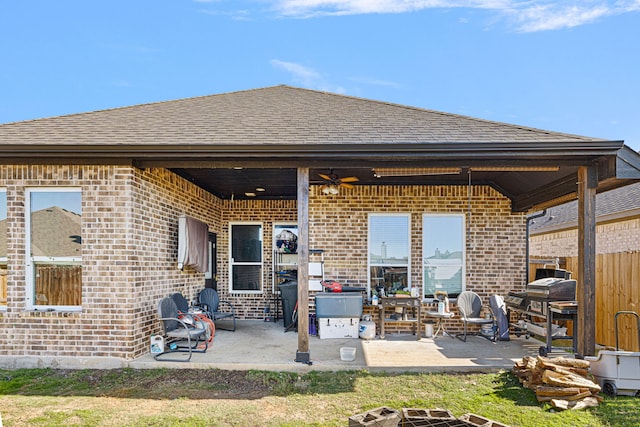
(553, 288)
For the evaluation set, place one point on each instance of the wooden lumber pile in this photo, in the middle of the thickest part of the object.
(562, 382)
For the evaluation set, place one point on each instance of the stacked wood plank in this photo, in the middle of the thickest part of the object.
(564, 383)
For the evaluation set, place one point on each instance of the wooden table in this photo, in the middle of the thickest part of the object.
(412, 303)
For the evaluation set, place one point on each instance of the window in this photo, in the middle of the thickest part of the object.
(389, 252)
(285, 256)
(246, 257)
(443, 254)
(3, 249)
(54, 248)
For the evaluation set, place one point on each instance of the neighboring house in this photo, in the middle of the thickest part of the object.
(440, 200)
(554, 236)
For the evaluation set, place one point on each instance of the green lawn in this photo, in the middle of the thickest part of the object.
(44, 397)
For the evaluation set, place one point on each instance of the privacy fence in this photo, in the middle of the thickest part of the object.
(617, 289)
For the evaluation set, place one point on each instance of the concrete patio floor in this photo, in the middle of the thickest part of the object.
(266, 346)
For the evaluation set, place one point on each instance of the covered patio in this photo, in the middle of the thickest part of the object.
(258, 159)
(266, 346)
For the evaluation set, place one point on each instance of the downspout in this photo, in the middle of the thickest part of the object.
(529, 221)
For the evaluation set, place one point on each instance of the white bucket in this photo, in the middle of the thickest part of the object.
(428, 330)
(157, 344)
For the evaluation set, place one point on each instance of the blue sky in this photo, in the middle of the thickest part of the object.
(567, 66)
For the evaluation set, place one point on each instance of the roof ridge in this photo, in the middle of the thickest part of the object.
(442, 113)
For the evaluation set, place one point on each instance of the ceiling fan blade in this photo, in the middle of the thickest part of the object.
(323, 176)
(349, 179)
(343, 185)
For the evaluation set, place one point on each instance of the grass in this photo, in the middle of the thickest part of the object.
(45, 397)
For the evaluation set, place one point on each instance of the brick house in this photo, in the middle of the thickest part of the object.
(554, 236)
(247, 162)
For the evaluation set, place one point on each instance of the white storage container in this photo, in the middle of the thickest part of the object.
(157, 344)
(347, 354)
(338, 327)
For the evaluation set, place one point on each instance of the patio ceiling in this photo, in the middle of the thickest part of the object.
(531, 181)
(280, 183)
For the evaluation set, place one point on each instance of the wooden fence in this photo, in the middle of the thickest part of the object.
(59, 285)
(617, 289)
(3, 286)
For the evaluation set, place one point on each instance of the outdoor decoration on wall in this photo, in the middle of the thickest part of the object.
(287, 242)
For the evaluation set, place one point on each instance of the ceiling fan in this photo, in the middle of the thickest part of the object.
(333, 182)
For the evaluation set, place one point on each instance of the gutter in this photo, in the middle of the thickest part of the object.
(529, 220)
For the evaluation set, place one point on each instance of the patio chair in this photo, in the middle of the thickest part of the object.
(215, 308)
(470, 309)
(197, 313)
(184, 333)
(181, 302)
(500, 314)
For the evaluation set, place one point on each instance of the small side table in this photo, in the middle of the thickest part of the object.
(440, 322)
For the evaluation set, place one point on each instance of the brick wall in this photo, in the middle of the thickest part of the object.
(495, 246)
(611, 237)
(158, 199)
(269, 213)
(129, 231)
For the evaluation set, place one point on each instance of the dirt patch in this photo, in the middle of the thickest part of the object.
(165, 384)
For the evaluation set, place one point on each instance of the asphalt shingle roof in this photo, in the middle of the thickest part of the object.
(56, 233)
(272, 115)
(617, 201)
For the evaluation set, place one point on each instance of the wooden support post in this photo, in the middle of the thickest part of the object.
(586, 292)
(302, 355)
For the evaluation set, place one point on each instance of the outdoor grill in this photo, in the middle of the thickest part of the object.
(542, 291)
(552, 288)
(533, 306)
(518, 301)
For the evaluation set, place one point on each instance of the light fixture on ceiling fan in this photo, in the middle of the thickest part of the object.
(330, 189)
(333, 183)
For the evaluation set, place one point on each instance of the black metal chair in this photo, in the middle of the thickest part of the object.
(181, 302)
(215, 308)
(184, 333)
(470, 309)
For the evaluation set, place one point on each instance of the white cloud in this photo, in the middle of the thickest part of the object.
(524, 15)
(307, 77)
(557, 16)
